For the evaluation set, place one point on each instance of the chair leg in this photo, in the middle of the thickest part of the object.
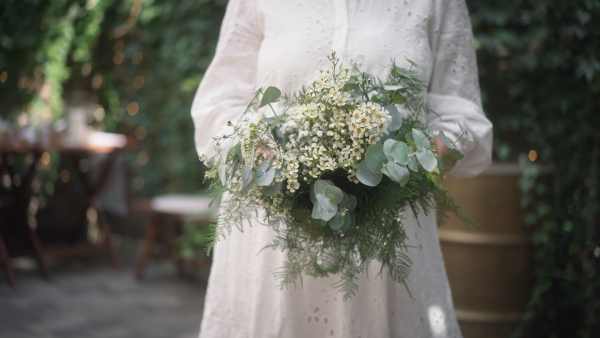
(107, 236)
(5, 260)
(177, 232)
(149, 243)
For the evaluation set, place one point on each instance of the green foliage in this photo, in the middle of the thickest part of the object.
(140, 60)
(540, 79)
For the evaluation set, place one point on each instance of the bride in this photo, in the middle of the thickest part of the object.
(292, 39)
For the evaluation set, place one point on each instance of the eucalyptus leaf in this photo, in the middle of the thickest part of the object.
(271, 95)
(467, 134)
(347, 222)
(397, 172)
(375, 158)
(271, 190)
(337, 222)
(326, 203)
(445, 140)
(264, 165)
(412, 164)
(396, 122)
(399, 153)
(387, 148)
(420, 139)
(320, 185)
(427, 159)
(267, 178)
(334, 194)
(353, 202)
(322, 213)
(366, 177)
(247, 174)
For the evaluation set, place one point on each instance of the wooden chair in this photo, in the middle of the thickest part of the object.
(178, 209)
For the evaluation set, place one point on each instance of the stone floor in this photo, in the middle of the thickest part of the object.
(88, 298)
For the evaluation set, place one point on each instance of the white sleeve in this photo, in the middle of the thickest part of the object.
(229, 82)
(454, 87)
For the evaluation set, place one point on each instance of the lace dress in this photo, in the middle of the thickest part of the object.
(292, 39)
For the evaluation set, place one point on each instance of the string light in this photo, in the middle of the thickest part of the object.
(533, 155)
(140, 132)
(133, 108)
(97, 81)
(118, 58)
(138, 82)
(65, 176)
(118, 46)
(142, 158)
(137, 58)
(45, 158)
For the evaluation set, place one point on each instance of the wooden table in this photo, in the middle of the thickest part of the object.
(96, 143)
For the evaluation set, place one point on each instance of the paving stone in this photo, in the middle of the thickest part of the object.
(87, 298)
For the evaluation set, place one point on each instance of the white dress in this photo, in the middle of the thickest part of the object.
(293, 38)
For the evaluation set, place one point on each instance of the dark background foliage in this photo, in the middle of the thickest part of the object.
(540, 78)
(141, 61)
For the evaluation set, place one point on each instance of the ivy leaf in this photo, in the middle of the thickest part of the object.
(271, 95)
(375, 158)
(427, 159)
(396, 122)
(467, 135)
(446, 140)
(366, 177)
(420, 139)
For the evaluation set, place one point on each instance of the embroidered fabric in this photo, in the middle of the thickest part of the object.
(292, 38)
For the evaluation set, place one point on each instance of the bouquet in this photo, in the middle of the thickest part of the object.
(334, 171)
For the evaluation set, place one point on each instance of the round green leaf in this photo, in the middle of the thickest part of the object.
(337, 222)
(446, 140)
(334, 194)
(375, 158)
(399, 153)
(326, 203)
(467, 134)
(420, 139)
(320, 185)
(397, 120)
(396, 172)
(271, 95)
(427, 159)
(366, 177)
